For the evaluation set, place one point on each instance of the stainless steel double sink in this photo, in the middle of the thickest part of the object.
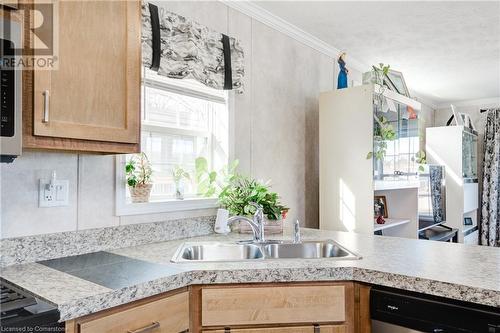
(222, 251)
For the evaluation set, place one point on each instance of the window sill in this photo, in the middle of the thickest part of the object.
(165, 206)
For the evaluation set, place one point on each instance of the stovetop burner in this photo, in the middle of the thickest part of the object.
(22, 311)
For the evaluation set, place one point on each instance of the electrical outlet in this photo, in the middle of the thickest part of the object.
(53, 194)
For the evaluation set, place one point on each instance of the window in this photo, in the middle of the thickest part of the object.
(399, 161)
(181, 121)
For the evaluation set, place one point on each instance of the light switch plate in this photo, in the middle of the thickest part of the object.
(54, 196)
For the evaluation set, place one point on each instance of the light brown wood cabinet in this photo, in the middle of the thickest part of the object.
(340, 307)
(288, 329)
(273, 305)
(91, 103)
(168, 314)
(278, 307)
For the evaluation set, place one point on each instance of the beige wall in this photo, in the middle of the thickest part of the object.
(274, 124)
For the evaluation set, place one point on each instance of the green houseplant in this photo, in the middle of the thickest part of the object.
(383, 132)
(210, 182)
(179, 175)
(240, 191)
(138, 174)
(379, 73)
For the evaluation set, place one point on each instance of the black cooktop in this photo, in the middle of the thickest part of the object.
(110, 270)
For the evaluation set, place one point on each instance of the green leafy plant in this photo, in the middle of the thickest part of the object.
(205, 178)
(421, 159)
(380, 72)
(211, 182)
(178, 173)
(421, 156)
(138, 170)
(383, 132)
(237, 195)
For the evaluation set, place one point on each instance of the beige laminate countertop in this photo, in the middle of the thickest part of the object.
(462, 272)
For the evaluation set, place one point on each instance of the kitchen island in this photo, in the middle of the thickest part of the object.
(455, 271)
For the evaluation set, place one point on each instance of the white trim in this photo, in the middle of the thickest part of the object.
(260, 14)
(185, 90)
(472, 102)
(417, 106)
(123, 208)
(154, 127)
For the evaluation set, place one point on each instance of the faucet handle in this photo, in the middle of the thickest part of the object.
(258, 208)
(256, 205)
(296, 232)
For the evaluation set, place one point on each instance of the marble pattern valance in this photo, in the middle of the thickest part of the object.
(180, 48)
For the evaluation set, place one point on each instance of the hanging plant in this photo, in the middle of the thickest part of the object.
(383, 132)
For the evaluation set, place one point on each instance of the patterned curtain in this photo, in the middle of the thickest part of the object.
(186, 49)
(490, 203)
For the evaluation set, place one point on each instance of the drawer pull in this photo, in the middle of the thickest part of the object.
(145, 329)
(45, 106)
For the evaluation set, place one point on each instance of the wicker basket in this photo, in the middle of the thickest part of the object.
(270, 227)
(140, 193)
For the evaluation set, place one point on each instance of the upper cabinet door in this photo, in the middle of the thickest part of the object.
(95, 92)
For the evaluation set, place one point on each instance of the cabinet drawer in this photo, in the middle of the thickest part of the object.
(291, 329)
(272, 305)
(168, 315)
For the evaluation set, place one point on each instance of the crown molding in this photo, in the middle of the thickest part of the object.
(494, 101)
(260, 14)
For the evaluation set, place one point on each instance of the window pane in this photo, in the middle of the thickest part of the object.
(175, 110)
(388, 163)
(182, 120)
(165, 151)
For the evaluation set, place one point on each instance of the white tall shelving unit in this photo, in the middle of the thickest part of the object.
(455, 147)
(347, 187)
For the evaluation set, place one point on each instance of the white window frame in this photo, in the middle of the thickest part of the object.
(123, 208)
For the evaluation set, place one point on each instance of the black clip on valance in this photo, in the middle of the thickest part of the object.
(155, 37)
(228, 73)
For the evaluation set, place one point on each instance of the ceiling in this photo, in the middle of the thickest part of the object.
(448, 51)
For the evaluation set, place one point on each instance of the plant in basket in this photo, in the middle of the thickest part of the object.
(138, 174)
(240, 191)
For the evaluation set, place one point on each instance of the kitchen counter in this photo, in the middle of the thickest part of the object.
(468, 273)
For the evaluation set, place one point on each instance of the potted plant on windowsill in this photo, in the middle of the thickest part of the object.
(138, 173)
(179, 175)
(237, 195)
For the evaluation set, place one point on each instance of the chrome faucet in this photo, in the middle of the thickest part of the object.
(257, 223)
(296, 232)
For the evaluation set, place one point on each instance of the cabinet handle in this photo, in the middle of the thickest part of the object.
(46, 97)
(145, 329)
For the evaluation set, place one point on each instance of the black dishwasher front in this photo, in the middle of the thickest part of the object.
(397, 311)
